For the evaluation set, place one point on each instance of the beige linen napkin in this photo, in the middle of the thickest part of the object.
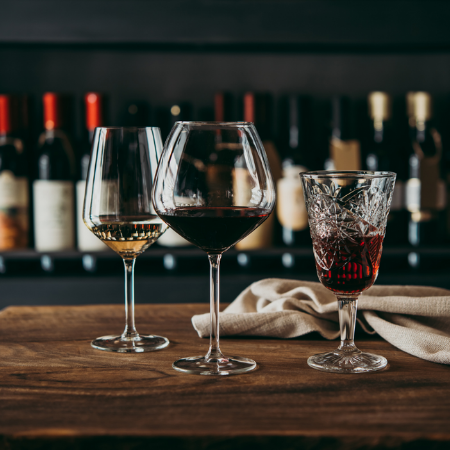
(415, 319)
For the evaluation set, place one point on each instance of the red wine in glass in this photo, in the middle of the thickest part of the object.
(214, 187)
(215, 229)
(348, 265)
(347, 212)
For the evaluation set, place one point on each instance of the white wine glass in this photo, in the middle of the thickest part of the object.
(118, 210)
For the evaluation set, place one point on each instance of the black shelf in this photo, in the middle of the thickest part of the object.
(158, 260)
(24, 282)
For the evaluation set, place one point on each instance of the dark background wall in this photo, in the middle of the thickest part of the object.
(166, 51)
(163, 77)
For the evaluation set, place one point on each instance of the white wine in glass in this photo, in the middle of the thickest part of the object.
(119, 211)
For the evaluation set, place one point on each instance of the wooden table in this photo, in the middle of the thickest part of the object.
(57, 392)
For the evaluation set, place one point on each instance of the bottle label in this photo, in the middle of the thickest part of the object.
(172, 239)
(242, 190)
(431, 196)
(412, 194)
(346, 155)
(53, 215)
(14, 222)
(291, 208)
(13, 191)
(242, 186)
(398, 196)
(86, 240)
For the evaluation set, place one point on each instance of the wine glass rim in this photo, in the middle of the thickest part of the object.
(347, 174)
(128, 128)
(215, 124)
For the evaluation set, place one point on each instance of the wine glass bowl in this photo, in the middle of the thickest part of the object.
(214, 187)
(118, 210)
(347, 217)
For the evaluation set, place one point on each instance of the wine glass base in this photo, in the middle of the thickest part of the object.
(347, 362)
(198, 365)
(139, 344)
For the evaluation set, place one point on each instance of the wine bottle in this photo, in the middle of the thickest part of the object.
(345, 152)
(53, 188)
(258, 109)
(425, 190)
(223, 107)
(86, 241)
(384, 154)
(14, 204)
(296, 151)
(218, 170)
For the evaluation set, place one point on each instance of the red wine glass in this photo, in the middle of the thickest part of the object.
(213, 187)
(347, 218)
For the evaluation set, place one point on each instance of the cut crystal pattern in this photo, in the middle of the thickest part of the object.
(335, 217)
(340, 362)
(347, 216)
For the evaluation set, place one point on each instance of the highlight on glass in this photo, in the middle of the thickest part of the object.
(118, 210)
(347, 212)
(214, 187)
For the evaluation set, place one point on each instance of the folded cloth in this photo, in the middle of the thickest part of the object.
(416, 319)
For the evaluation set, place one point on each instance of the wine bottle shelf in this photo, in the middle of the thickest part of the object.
(187, 261)
(181, 275)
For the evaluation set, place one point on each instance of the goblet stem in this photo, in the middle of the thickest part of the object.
(130, 329)
(214, 348)
(214, 363)
(348, 306)
(130, 341)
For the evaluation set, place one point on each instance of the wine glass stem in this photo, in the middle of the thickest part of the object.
(214, 349)
(348, 306)
(130, 330)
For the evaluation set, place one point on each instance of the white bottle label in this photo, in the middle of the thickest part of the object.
(13, 191)
(86, 240)
(242, 188)
(412, 194)
(53, 215)
(291, 208)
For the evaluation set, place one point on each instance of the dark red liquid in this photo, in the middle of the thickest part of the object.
(348, 266)
(215, 230)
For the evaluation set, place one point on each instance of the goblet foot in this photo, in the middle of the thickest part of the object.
(138, 344)
(347, 362)
(199, 365)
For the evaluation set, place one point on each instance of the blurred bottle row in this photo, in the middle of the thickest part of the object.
(42, 178)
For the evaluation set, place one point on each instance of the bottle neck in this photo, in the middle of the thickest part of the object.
(379, 129)
(421, 127)
(295, 157)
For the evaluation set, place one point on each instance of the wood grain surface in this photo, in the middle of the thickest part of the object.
(57, 392)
